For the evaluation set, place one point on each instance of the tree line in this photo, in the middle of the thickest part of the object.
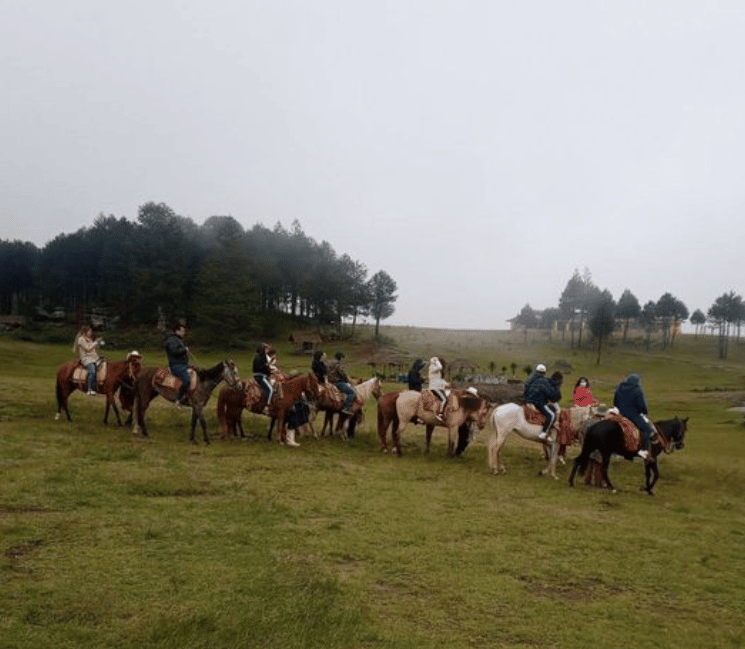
(584, 307)
(164, 266)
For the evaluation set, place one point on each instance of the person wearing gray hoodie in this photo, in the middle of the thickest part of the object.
(631, 403)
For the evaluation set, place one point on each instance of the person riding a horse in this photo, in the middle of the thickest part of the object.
(437, 384)
(414, 377)
(338, 376)
(630, 401)
(87, 348)
(318, 366)
(539, 392)
(262, 369)
(178, 359)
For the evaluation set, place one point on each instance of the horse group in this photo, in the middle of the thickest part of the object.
(463, 415)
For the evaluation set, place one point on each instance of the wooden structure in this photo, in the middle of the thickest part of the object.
(307, 341)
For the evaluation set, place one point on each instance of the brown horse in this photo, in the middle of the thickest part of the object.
(293, 390)
(108, 381)
(247, 394)
(464, 408)
(148, 385)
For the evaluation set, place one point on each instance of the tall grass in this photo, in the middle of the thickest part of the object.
(111, 540)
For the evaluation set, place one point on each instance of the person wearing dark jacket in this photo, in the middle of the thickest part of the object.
(540, 391)
(262, 370)
(318, 366)
(630, 401)
(339, 378)
(178, 359)
(414, 377)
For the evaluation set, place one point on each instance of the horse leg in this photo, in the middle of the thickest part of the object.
(429, 429)
(652, 473)
(271, 427)
(200, 416)
(604, 469)
(551, 464)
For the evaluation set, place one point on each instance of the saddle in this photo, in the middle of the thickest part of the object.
(164, 379)
(533, 415)
(253, 394)
(431, 402)
(631, 435)
(334, 397)
(80, 374)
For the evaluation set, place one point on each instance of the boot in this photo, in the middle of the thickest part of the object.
(291, 437)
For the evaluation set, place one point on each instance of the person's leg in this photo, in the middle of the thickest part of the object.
(181, 372)
(91, 377)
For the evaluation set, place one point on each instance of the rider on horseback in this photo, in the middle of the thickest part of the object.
(178, 358)
(438, 384)
(338, 376)
(631, 403)
(414, 377)
(540, 391)
(262, 369)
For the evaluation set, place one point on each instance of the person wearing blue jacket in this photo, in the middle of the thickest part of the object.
(540, 391)
(178, 359)
(630, 401)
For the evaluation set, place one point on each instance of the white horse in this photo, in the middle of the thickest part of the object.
(509, 417)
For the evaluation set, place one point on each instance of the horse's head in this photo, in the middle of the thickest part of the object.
(678, 432)
(230, 372)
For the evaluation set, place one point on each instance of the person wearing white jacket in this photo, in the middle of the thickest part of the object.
(437, 384)
(88, 350)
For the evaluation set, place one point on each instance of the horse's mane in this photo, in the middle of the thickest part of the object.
(212, 373)
(365, 388)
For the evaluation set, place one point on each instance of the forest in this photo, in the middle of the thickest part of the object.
(585, 307)
(163, 267)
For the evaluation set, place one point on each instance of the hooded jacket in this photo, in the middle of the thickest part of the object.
(629, 398)
(540, 390)
(414, 378)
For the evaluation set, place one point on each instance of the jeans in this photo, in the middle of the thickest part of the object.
(181, 371)
(348, 390)
(91, 377)
(550, 416)
(266, 385)
(644, 428)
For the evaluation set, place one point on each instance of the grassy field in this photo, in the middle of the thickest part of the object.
(111, 540)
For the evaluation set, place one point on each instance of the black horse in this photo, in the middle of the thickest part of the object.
(606, 437)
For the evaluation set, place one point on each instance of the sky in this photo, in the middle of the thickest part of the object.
(478, 151)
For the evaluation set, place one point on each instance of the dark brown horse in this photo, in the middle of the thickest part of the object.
(147, 387)
(331, 402)
(607, 438)
(108, 381)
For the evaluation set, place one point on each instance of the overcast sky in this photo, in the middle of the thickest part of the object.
(479, 151)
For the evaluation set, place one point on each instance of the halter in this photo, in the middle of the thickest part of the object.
(667, 444)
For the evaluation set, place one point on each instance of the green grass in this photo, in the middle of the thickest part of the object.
(110, 540)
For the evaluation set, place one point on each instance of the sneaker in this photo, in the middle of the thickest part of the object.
(644, 455)
(349, 413)
(91, 393)
(543, 436)
(178, 405)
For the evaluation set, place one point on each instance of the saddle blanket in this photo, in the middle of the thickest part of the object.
(631, 436)
(334, 397)
(533, 415)
(80, 375)
(431, 402)
(164, 379)
(255, 395)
